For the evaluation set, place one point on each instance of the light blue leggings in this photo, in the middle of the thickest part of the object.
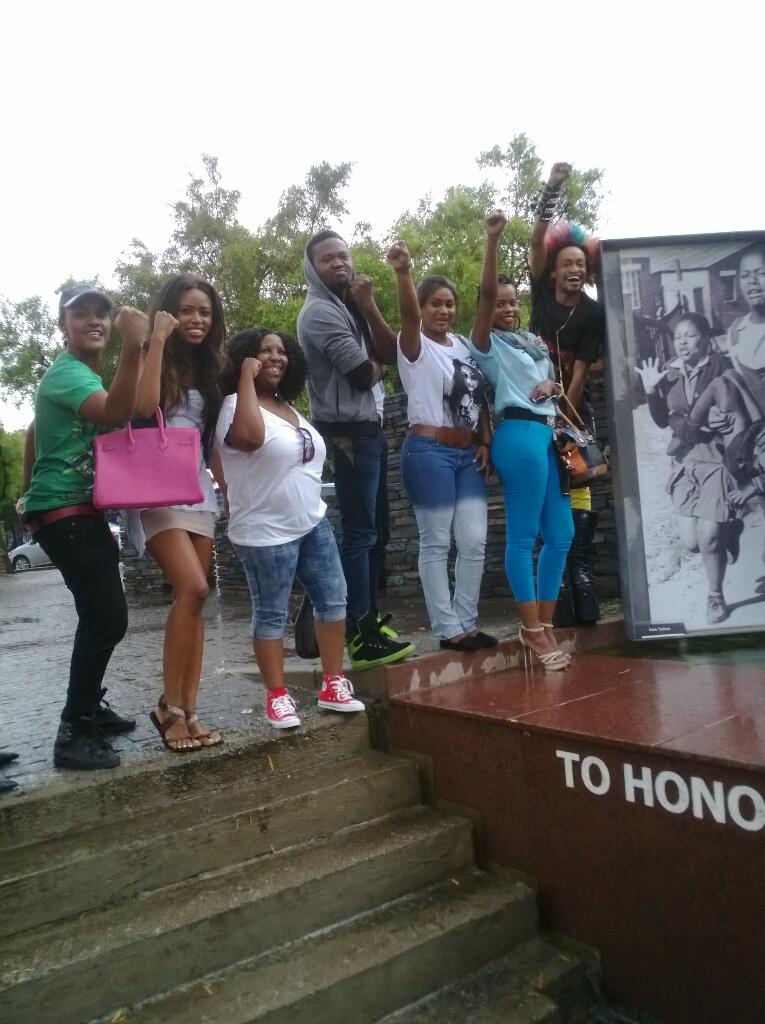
(523, 455)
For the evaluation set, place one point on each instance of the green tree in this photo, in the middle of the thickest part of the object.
(521, 174)
(259, 273)
(11, 470)
(29, 342)
(448, 238)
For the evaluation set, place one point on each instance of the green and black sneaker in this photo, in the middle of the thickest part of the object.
(370, 647)
(384, 628)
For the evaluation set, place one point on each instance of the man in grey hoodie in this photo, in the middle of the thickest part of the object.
(346, 341)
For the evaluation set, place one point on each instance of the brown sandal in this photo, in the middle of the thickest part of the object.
(202, 736)
(174, 714)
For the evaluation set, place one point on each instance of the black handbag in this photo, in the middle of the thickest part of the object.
(305, 633)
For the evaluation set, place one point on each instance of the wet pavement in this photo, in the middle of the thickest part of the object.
(37, 623)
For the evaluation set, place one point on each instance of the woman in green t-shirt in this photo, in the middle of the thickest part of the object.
(71, 407)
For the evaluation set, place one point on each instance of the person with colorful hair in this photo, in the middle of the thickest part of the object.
(562, 260)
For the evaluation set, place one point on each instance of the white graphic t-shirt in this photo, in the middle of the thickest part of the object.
(444, 386)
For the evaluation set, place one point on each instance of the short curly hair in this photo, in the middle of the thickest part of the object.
(246, 344)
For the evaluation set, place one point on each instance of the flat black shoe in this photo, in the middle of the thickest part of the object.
(107, 720)
(486, 640)
(81, 745)
(467, 643)
(7, 785)
(6, 757)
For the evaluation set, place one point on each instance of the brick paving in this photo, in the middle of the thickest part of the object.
(37, 622)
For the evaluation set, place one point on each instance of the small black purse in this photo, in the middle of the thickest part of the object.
(305, 634)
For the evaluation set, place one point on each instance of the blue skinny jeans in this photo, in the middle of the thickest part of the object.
(522, 453)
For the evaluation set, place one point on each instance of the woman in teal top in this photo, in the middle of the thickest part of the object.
(71, 407)
(518, 367)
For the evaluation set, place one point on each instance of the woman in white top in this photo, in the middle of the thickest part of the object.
(183, 365)
(273, 459)
(445, 456)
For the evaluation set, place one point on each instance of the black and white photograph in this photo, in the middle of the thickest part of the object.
(686, 319)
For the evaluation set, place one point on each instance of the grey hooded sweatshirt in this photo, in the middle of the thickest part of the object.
(334, 346)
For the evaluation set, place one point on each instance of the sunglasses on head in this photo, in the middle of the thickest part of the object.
(309, 449)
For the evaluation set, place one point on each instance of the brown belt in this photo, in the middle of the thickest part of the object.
(46, 518)
(455, 437)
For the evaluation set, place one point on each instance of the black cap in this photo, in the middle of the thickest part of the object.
(75, 292)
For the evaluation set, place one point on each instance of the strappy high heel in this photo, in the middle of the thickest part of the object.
(550, 626)
(555, 661)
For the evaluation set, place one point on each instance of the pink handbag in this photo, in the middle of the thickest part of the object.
(147, 468)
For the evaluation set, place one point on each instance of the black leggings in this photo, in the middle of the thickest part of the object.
(83, 548)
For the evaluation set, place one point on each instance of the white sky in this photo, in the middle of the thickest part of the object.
(108, 106)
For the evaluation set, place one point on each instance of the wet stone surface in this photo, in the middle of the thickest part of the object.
(37, 623)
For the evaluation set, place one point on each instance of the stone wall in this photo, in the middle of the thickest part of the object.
(143, 577)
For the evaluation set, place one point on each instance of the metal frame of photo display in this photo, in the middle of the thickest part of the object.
(621, 357)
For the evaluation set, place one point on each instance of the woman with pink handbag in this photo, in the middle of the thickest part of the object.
(180, 377)
(71, 407)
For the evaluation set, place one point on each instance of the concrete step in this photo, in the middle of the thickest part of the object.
(364, 968)
(537, 984)
(86, 966)
(83, 800)
(82, 871)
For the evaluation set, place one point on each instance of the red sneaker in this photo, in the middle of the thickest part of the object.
(280, 709)
(335, 695)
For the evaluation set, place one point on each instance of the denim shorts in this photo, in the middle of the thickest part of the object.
(271, 571)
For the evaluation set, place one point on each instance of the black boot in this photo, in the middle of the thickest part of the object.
(564, 609)
(106, 719)
(80, 744)
(586, 604)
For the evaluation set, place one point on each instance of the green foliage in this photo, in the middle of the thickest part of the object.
(29, 343)
(259, 274)
(11, 470)
(521, 175)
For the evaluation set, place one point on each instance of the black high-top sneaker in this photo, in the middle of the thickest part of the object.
(586, 604)
(107, 720)
(370, 647)
(81, 745)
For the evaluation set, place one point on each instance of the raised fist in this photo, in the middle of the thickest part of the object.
(398, 257)
(133, 326)
(164, 325)
(251, 367)
(495, 222)
(560, 172)
(361, 289)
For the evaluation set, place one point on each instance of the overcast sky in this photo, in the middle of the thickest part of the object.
(107, 108)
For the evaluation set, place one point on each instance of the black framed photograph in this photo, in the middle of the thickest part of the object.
(686, 367)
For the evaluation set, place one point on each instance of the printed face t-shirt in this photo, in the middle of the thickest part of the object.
(274, 497)
(63, 468)
(444, 386)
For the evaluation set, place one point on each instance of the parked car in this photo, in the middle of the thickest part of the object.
(31, 555)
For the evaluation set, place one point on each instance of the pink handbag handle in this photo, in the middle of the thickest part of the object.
(162, 434)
